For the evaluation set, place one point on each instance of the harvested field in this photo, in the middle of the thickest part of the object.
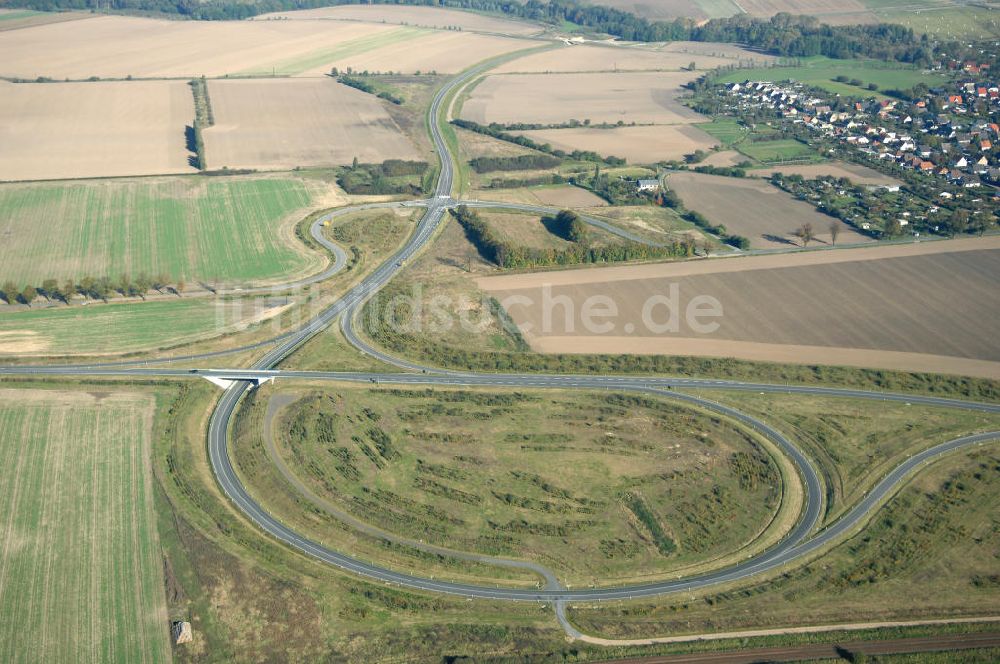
(81, 577)
(593, 58)
(424, 17)
(645, 98)
(855, 307)
(76, 130)
(233, 231)
(856, 173)
(283, 123)
(441, 52)
(120, 46)
(560, 195)
(567, 196)
(639, 145)
(756, 210)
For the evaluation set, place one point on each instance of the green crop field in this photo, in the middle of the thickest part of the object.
(725, 130)
(110, 328)
(80, 568)
(653, 487)
(820, 72)
(350, 47)
(776, 151)
(208, 229)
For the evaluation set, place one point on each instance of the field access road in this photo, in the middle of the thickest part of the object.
(801, 541)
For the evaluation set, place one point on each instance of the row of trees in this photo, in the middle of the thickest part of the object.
(524, 162)
(669, 198)
(100, 288)
(366, 86)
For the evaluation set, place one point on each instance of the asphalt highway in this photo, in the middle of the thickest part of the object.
(802, 540)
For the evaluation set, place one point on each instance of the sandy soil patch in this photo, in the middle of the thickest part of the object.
(73, 130)
(756, 210)
(645, 98)
(937, 314)
(119, 46)
(638, 145)
(596, 57)
(425, 17)
(283, 123)
(22, 341)
(856, 173)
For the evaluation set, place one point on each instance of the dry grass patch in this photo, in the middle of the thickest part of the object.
(644, 98)
(424, 17)
(80, 565)
(639, 145)
(283, 123)
(857, 308)
(757, 210)
(76, 130)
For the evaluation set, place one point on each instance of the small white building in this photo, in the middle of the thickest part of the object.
(647, 185)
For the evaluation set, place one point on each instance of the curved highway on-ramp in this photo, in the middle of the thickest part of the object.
(802, 540)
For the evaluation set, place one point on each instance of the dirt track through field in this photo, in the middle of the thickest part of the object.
(922, 307)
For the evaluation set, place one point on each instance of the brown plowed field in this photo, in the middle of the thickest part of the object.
(931, 306)
(756, 210)
(645, 98)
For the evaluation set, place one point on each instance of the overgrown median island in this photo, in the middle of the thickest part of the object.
(655, 487)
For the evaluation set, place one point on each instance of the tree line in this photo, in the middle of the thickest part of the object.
(496, 131)
(99, 288)
(386, 178)
(507, 255)
(524, 162)
(365, 86)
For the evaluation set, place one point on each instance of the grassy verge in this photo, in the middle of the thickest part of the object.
(926, 554)
(655, 487)
(854, 443)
